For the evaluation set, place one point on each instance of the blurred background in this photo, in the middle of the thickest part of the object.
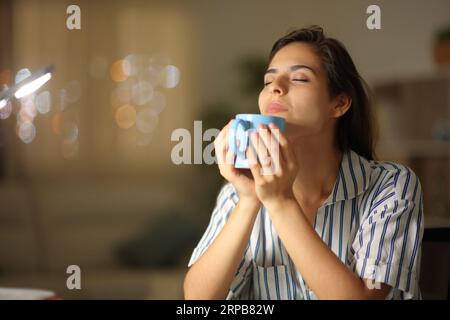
(86, 176)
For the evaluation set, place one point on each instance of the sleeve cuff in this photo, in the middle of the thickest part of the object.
(389, 274)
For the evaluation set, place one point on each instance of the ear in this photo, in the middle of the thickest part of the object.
(341, 104)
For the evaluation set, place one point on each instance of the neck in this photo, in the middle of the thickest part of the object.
(318, 164)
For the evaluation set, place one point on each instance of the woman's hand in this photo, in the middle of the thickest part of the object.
(240, 178)
(273, 165)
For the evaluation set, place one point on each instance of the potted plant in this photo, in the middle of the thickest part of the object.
(442, 47)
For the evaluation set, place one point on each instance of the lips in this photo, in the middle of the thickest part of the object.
(275, 107)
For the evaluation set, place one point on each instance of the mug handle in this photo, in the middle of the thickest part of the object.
(232, 140)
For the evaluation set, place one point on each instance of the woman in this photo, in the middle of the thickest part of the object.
(331, 223)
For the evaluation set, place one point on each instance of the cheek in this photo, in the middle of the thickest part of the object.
(311, 108)
(319, 98)
(307, 103)
(323, 107)
(261, 99)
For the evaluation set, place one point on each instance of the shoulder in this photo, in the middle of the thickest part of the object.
(394, 180)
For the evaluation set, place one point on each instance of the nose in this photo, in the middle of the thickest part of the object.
(277, 87)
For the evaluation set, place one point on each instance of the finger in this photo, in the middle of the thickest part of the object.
(227, 134)
(253, 163)
(220, 153)
(271, 146)
(277, 160)
(271, 164)
(260, 147)
(266, 167)
(229, 158)
(286, 152)
(221, 143)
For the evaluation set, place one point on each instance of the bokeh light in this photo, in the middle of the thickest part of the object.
(171, 76)
(158, 102)
(69, 131)
(23, 116)
(121, 95)
(146, 120)
(56, 123)
(6, 110)
(22, 74)
(62, 99)
(26, 132)
(135, 64)
(28, 106)
(120, 70)
(69, 149)
(136, 102)
(142, 92)
(43, 102)
(73, 91)
(126, 116)
(153, 75)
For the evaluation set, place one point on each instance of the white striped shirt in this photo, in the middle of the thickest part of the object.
(372, 221)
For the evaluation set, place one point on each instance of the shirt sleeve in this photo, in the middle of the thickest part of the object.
(387, 246)
(226, 202)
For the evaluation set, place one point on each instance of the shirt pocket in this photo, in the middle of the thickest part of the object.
(273, 283)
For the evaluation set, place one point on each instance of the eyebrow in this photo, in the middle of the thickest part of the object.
(292, 68)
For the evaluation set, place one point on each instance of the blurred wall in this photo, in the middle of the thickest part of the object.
(204, 39)
(110, 31)
(227, 30)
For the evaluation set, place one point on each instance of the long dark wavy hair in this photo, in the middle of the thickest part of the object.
(356, 128)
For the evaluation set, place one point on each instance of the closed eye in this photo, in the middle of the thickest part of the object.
(299, 80)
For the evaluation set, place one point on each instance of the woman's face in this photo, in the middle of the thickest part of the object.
(296, 88)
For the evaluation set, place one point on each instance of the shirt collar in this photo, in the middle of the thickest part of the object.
(353, 178)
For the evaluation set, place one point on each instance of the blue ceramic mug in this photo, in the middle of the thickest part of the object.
(241, 128)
